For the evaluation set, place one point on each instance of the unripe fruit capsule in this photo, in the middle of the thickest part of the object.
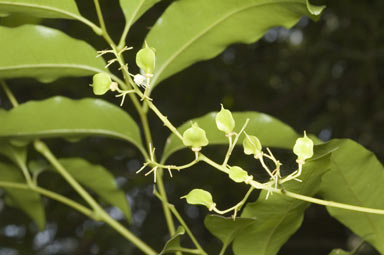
(195, 137)
(145, 59)
(251, 145)
(200, 197)
(225, 121)
(101, 83)
(303, 148)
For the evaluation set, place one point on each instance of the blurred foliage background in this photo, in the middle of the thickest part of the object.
(324, 77)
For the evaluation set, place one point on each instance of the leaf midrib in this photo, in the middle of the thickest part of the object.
(44, 7)
(368, 215)
(283, 218)
(214, 24)
(37, 66)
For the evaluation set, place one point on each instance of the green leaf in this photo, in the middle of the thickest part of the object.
(45, 54)
(226, 229)
(356, 178)
(278, 217)
(134, 9)
(206, 28)
(173, 244)
(269, 130)
(27, 201)
(85, 117)
(66, 9)
(99, 180)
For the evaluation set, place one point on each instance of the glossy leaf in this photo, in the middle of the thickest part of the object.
(278, 217)
(99, 180)
(356, 178)
(206, 28)
(134, 9)
(66, 9)
(269, 130)
(173, 244)
(86, 117)
(45, 54)
(226, 229)
(27, 201)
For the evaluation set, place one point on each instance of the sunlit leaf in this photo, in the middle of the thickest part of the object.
(85, 117)
(206, 28)
(45, 54)
(63, 9)
(356, 178)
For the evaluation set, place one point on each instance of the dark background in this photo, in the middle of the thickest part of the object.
(323, 77)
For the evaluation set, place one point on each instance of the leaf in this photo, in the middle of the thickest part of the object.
(173, 244)
(66, 9)
(278, 217)
(64, 117)
(356, 178)
(27, 201)
(16, 154)
(46, 54)
(99, 180)
(206, 28)
(226, 229)
(134, 9)
(269, 130)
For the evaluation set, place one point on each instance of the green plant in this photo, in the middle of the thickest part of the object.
(263, 226)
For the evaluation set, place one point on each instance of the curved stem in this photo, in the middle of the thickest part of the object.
(99, 212)
(104, 32)
(142, 114)
(50, 194)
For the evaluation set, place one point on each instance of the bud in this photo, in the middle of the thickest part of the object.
(195, 137)
(303, 148)
(200, 197)
(251, 145)
(225, 121)
(237, 174)
(101, 83)
(145, 59)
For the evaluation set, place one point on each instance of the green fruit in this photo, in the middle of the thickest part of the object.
(195, 137)
(199, 197)
(237, 174)
(225, 121)
(101, 83)
(251, 145)
(145, 59)
(303, 147)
